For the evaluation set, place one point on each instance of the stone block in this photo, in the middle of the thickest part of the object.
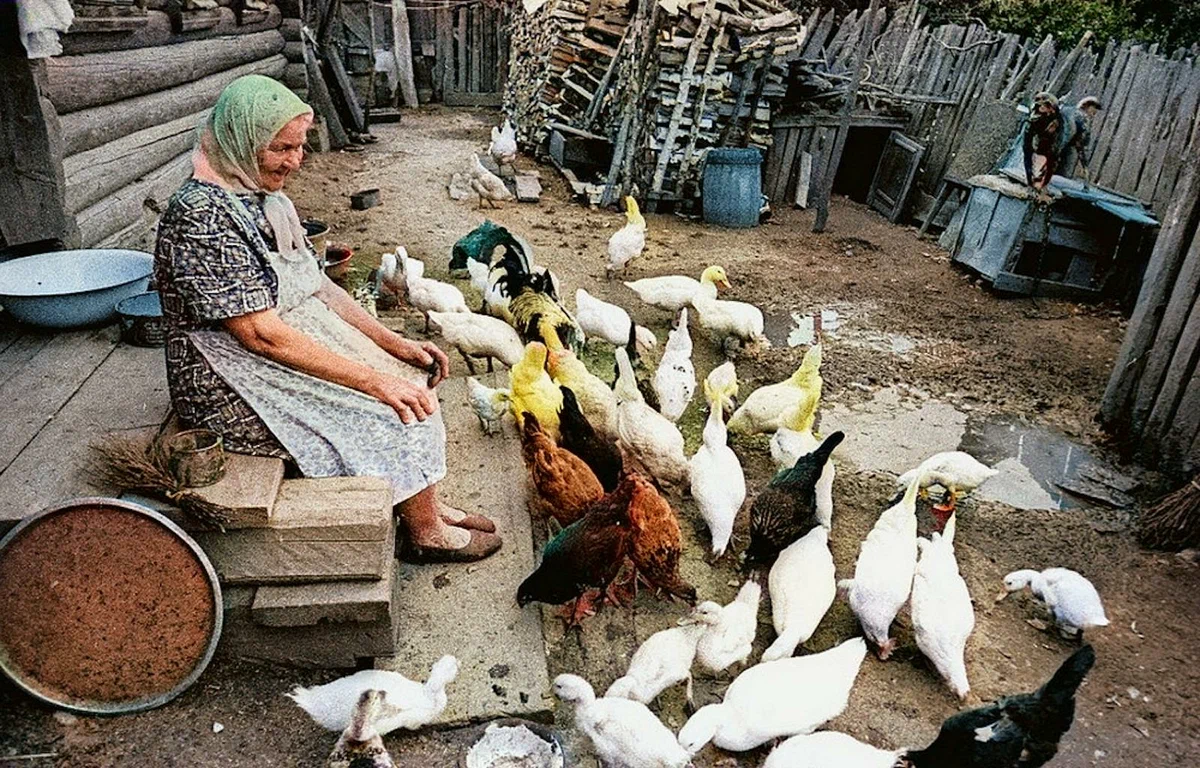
(303, 605)
(322, 529)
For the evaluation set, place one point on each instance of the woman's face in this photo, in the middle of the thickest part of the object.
(277, 160)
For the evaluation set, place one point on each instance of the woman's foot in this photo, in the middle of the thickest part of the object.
(477, 546)
(457, 518)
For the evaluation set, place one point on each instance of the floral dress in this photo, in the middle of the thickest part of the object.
(215, 260)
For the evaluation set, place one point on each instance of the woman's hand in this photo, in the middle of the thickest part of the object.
(410, 401)
(423, 355)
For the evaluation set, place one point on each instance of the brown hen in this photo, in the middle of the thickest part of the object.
(563, 485)
(657, 541)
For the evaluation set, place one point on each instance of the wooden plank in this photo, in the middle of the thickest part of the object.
(681, 98)
(477, 49)
(402, 50)
(1038, 59)
(803, 180)
(1172, 363)
(1122, 117)
(1185, 117)
(20, 345)
(717, 45)
(1160, 124)
(128, 204)
(460, 43)
(1065, 70)
(446, 50)
(774, 162)
(1160, 277)
(1108, 121)
(1146, 100)
(322, 100)
(84, 386)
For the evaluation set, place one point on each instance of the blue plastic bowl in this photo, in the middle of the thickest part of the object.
(68, 289)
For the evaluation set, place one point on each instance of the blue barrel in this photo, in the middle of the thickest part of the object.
(733, 187)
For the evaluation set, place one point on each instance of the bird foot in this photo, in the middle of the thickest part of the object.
(884, 651)
(578, 609)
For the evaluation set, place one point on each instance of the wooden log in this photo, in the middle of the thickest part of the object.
(99, 172)
(402, 50)
(229, 24)
(689, 154)
(1017, 83)
(341, 87)
(1170, 367)
(295, 76)
(1166, 261)
(1162, 122)
(156, 31)
(290, 29)
(128, 204)
(89, 128)
(79, 82)
(1184, 118)
(321, 99)
(460, 44)
(681, 98)
(293, 51)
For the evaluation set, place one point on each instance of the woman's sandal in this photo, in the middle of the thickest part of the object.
(481, 545)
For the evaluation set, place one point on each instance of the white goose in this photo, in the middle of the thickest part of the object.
(776, 699)
(717, 480)
(883, 573)
(802, 588)
(942, 614)
(623, 732)
(644, 432)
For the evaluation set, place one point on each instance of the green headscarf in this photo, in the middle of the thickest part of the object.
(246, 117)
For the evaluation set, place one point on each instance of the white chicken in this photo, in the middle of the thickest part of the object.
(489, 404)
(717, 480)
(646, 433)
(674, 380)
(802, 588)
(1072, 600)
(664, 660)
(776, 699)
(406, 704)
(731, 629)
(486, 184)
(426, 294)
(608, 322)
(503, 148)
(628, 242)
(624, 733)
(479, 336)
(795, 439)
(942, 614)
(883, 573)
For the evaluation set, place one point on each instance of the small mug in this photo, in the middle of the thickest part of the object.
(196, 457)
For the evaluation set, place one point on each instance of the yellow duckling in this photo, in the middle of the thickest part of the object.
(596, 399)
(764, 409)
(532, 390)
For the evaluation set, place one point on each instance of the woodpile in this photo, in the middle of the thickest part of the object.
(662, 87)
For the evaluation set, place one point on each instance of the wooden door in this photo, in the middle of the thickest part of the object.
(472, 54)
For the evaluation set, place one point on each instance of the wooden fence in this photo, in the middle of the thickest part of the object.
(946, 80)
(1152, 402)
(462, 50)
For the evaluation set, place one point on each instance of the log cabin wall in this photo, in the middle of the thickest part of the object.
(129, 92)
(957, 87)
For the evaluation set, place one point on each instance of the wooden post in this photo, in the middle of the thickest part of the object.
(32, 190)
(829, 171)
(402, 50)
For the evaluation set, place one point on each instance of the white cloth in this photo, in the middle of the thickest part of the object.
(40, 22)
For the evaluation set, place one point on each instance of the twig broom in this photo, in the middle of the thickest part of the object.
(1173, 523)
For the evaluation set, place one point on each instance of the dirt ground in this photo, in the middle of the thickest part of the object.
(1042, 361)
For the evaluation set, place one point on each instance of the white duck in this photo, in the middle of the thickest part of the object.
(802, 588)
(956, 471)
(722, 382)
(883, 574)
(407, 704)
(763, 409)
(664, 660)
(674, 380)
(726, 320)
(829, 749)
(731, 628)
(624, 733)
(479, 336)
(670, 292)
(486, 184)
(776, 699)
(942, 614)
(427, 294)
(608, 322)
(1072, 599)
(644, 432)
(489, 404)
(717, 480)
(628, 242)
(503, 148)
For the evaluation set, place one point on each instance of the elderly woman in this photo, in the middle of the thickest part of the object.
(265, 350)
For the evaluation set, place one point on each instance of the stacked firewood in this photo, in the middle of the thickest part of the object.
(661, 86)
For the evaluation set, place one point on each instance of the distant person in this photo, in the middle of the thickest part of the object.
(1055, 136)
(265, 350)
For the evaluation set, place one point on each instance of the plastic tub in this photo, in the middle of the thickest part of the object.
(733, 187)
(67, 289)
